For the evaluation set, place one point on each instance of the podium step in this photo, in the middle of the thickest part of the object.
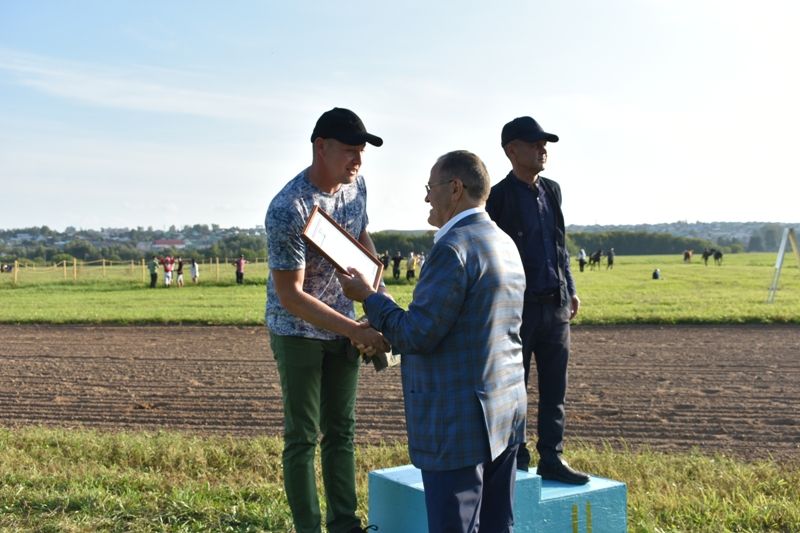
(397, 503)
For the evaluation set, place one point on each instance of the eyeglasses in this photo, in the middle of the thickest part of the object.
(428, 187)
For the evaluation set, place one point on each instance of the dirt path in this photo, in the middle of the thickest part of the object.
(731, 388)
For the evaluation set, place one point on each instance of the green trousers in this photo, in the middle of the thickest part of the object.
(318, 383)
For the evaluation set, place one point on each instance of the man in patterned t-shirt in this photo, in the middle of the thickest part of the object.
(312, 324)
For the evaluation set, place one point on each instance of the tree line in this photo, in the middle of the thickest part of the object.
(624, 242)
(403, 242)
(644, 243)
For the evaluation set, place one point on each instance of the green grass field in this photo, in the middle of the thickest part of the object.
(687, 293)
(57, 480)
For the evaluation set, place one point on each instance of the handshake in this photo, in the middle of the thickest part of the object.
(370, 342)
(377, 351)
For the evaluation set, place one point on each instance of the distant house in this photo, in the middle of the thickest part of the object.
(21, 238)
(163, 244)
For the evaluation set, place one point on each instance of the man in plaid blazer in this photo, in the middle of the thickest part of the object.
(463, 379)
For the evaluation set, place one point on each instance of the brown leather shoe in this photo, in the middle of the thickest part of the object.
(557, 469)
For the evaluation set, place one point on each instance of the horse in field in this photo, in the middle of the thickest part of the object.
(687, 256)
(708, 252)
(712, 252)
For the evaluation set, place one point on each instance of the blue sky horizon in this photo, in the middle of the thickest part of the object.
(122, 114)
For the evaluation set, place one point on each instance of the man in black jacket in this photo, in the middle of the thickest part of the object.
(527, 207)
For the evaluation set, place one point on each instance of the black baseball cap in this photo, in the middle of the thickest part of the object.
(525, 129)
(344, 126)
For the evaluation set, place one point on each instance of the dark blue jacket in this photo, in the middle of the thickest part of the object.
(504, 207)
(463, 379)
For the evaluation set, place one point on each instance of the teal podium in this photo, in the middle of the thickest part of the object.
(397, 504)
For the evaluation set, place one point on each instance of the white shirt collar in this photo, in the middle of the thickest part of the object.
(452, 222)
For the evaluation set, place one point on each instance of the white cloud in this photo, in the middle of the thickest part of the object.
(139, 88)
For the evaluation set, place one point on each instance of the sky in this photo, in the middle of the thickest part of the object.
(152, 113)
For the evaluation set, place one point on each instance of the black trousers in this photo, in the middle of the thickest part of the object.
(475, 498)
(240, 277)
(545, 338)
(153, 280)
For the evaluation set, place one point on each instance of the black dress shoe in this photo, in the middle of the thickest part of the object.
(558, 470)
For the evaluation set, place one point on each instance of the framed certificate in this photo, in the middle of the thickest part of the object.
(339, 247)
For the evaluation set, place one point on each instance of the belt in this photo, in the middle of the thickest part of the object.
(552, 297)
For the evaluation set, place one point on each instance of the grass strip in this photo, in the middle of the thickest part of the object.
(85, 480)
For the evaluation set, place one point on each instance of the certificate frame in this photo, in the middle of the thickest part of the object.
(336, 245)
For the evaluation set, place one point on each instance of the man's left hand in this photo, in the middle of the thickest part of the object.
(575, 304)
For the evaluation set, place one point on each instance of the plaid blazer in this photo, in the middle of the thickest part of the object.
(463, 382)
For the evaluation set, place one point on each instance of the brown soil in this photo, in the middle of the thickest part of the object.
(732, 389)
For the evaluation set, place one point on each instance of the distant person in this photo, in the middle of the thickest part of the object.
(527, 207)
(396, 260)
(411, 266)
(195, 268)
(610, 259)
(169, 264)
(656, 274)
(420, 260)
(239, 264)
(582, 259)
(594, 259)
(179, 273)
(153, 267)
(385, 258)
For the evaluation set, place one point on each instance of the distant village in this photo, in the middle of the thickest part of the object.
(197, 236)
(45, 244)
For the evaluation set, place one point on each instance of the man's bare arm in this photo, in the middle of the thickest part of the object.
(289, 287)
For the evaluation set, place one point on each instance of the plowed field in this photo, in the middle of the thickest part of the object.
(734, 389)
